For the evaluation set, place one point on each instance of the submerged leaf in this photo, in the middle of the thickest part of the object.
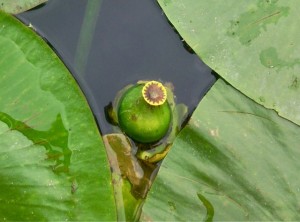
(129, 177)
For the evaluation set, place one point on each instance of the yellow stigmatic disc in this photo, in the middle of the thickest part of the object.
(154, 93)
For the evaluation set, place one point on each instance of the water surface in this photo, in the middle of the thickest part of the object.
(121, 42)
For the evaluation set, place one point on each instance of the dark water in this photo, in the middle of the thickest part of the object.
(117, 43)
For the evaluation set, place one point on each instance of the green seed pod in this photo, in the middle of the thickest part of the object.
(140, 120)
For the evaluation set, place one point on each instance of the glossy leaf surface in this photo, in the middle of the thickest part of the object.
(53, 163)
(254, 45)
(235, 161)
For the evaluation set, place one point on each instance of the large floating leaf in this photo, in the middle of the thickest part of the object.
(53, 163)
(18, 6)
(254, 45)
(234, 161)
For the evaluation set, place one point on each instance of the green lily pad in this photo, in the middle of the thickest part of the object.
(234, 161)
(15, 7)
(53, 162)
(254, 45)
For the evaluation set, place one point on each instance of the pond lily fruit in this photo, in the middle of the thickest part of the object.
(144, 113)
